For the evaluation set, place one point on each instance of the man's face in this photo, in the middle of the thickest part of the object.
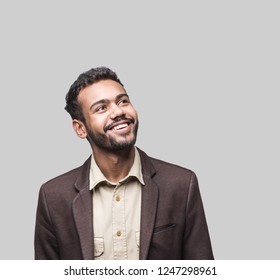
(111, 121)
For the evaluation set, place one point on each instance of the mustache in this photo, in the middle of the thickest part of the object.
(118, 119)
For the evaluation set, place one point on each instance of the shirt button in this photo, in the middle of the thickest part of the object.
(119, 233)
(118, 198)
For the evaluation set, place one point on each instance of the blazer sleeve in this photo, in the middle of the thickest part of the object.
(197, 244)
(46, 247)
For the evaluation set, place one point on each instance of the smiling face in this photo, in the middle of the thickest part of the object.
(111, 122)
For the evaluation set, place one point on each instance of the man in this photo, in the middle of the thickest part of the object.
(121, 203)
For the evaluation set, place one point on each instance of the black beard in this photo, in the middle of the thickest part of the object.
(108, 143)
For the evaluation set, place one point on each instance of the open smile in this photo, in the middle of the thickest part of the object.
(121, 125)
(121, 129)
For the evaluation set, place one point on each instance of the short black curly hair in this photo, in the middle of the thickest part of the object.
(84, 80)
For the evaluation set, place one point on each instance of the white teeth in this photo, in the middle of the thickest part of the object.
(120, 126)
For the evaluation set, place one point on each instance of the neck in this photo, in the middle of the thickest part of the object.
(114, 165)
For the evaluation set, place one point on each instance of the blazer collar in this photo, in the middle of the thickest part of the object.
(83, 177)
(82, 211)
(148, 206)
(82, 208)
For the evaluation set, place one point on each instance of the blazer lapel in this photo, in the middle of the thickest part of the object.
(149, 205)
(82, 212)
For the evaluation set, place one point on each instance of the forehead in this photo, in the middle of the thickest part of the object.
(105, 89)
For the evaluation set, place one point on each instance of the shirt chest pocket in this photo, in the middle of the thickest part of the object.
(98, 247)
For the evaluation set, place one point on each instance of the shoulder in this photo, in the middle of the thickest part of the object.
(68, 179)
(169, 173)
(163, 166)
(165, 170)
(64, 178)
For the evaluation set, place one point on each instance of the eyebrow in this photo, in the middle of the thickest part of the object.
(102, 101)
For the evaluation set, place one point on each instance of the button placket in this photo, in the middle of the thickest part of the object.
(118, 214)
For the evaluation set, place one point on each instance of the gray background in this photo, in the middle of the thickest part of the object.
(204, 77)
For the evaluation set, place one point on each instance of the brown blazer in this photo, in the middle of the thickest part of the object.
(173, 224)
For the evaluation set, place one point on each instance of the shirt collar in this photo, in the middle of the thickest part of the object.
(96, 176)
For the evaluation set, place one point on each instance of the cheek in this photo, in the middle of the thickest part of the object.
(133, 113)
(136, 116)
(97, 123)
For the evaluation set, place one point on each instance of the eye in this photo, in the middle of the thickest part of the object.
(101, 108)
(123, 101)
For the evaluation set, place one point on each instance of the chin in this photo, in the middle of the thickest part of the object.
(121, 146)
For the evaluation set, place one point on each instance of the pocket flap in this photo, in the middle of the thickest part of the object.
(98, 246)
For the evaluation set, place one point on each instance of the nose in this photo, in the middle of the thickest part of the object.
(116, 111)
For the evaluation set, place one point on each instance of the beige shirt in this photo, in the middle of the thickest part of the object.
(116, 213)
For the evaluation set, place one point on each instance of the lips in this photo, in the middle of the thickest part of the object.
(119, 124)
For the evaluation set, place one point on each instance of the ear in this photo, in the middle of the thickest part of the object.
(79, 128)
